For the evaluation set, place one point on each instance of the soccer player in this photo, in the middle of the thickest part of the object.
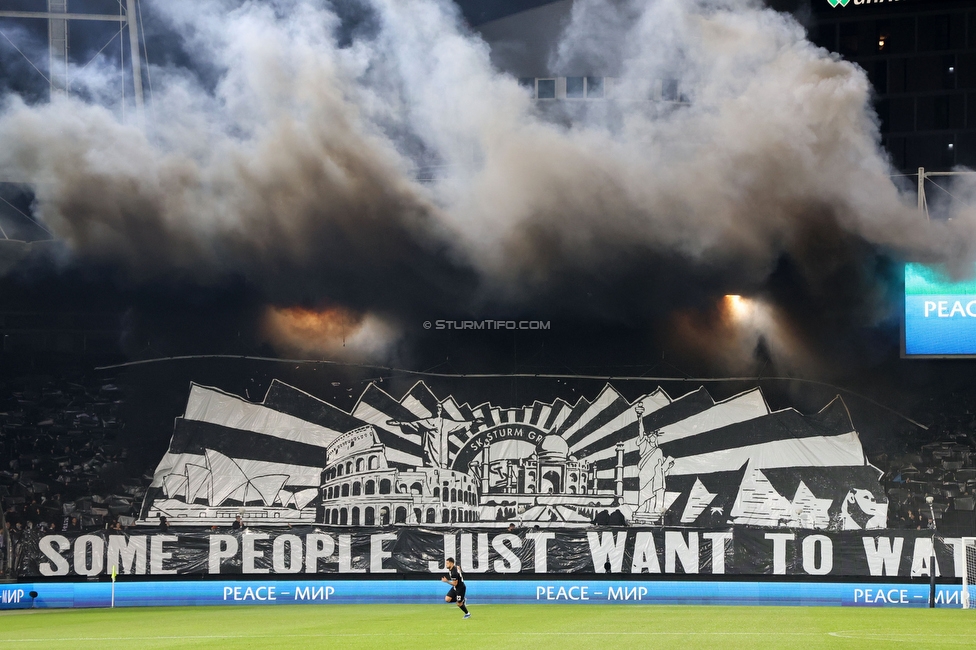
(456, 580)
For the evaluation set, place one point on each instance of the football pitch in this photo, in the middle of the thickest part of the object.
(491, 626)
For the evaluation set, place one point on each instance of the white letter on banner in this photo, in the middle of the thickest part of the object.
(377, 554)
(156, 554)
(779, 551)
(675, 547)
(317, 547)
(721, 543)
(294, 564)
(129, 555)
(96, 547)
(810, 548)
(922, 558)
(450, 545)
(508, 562)
(929, 307)
(250, 554)
(345, 555)
(222, 547)
(541, 541)
(603, 546)
(883, 556)
(645, 555)
(467, 554)
(57, 566)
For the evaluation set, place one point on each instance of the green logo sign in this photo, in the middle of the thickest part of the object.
(842, 3)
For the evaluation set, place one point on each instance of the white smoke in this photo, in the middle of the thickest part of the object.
(298, 165)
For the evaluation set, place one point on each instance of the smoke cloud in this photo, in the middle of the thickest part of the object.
(287, 152)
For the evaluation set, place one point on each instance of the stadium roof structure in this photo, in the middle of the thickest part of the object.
(477, 12)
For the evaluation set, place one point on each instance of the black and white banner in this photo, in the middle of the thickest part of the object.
(412, 550)
(428, 460)
(643, 484)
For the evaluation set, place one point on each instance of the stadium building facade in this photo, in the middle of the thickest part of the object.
(920, 56)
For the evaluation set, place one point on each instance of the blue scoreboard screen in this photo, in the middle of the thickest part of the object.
(940, 314)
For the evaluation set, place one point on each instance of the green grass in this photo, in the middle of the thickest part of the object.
(491, 626)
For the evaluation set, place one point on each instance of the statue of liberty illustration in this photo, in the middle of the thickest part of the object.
(651, 471)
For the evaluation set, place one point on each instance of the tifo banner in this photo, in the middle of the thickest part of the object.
(601, 482)
(582, 592)
(410, 550)
(428, 460)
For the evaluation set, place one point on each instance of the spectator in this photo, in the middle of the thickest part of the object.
(238, 523)
(3, 548)
(12, 517)
(34, 512)
(617, 519)
(163, 524)
(911, 521)
(923, 521)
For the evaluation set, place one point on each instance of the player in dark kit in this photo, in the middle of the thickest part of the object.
(456, 580)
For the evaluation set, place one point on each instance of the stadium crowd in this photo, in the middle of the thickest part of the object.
(939, 462)
(61, 460)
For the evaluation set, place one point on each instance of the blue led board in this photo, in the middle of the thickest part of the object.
(580, 592)
(940, 314)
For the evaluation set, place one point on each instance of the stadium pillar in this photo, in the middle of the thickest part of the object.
(130, 12)
(57, 35)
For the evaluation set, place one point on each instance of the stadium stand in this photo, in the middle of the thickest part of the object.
(940, 462)
(63, 463)
(62, 459)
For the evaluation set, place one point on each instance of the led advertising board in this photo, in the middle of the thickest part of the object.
(940, 313)
(541, 591)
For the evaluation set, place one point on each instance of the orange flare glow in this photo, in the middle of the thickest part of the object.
(332, 330)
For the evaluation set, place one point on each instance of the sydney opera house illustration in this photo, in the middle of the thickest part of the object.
(430, 461)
